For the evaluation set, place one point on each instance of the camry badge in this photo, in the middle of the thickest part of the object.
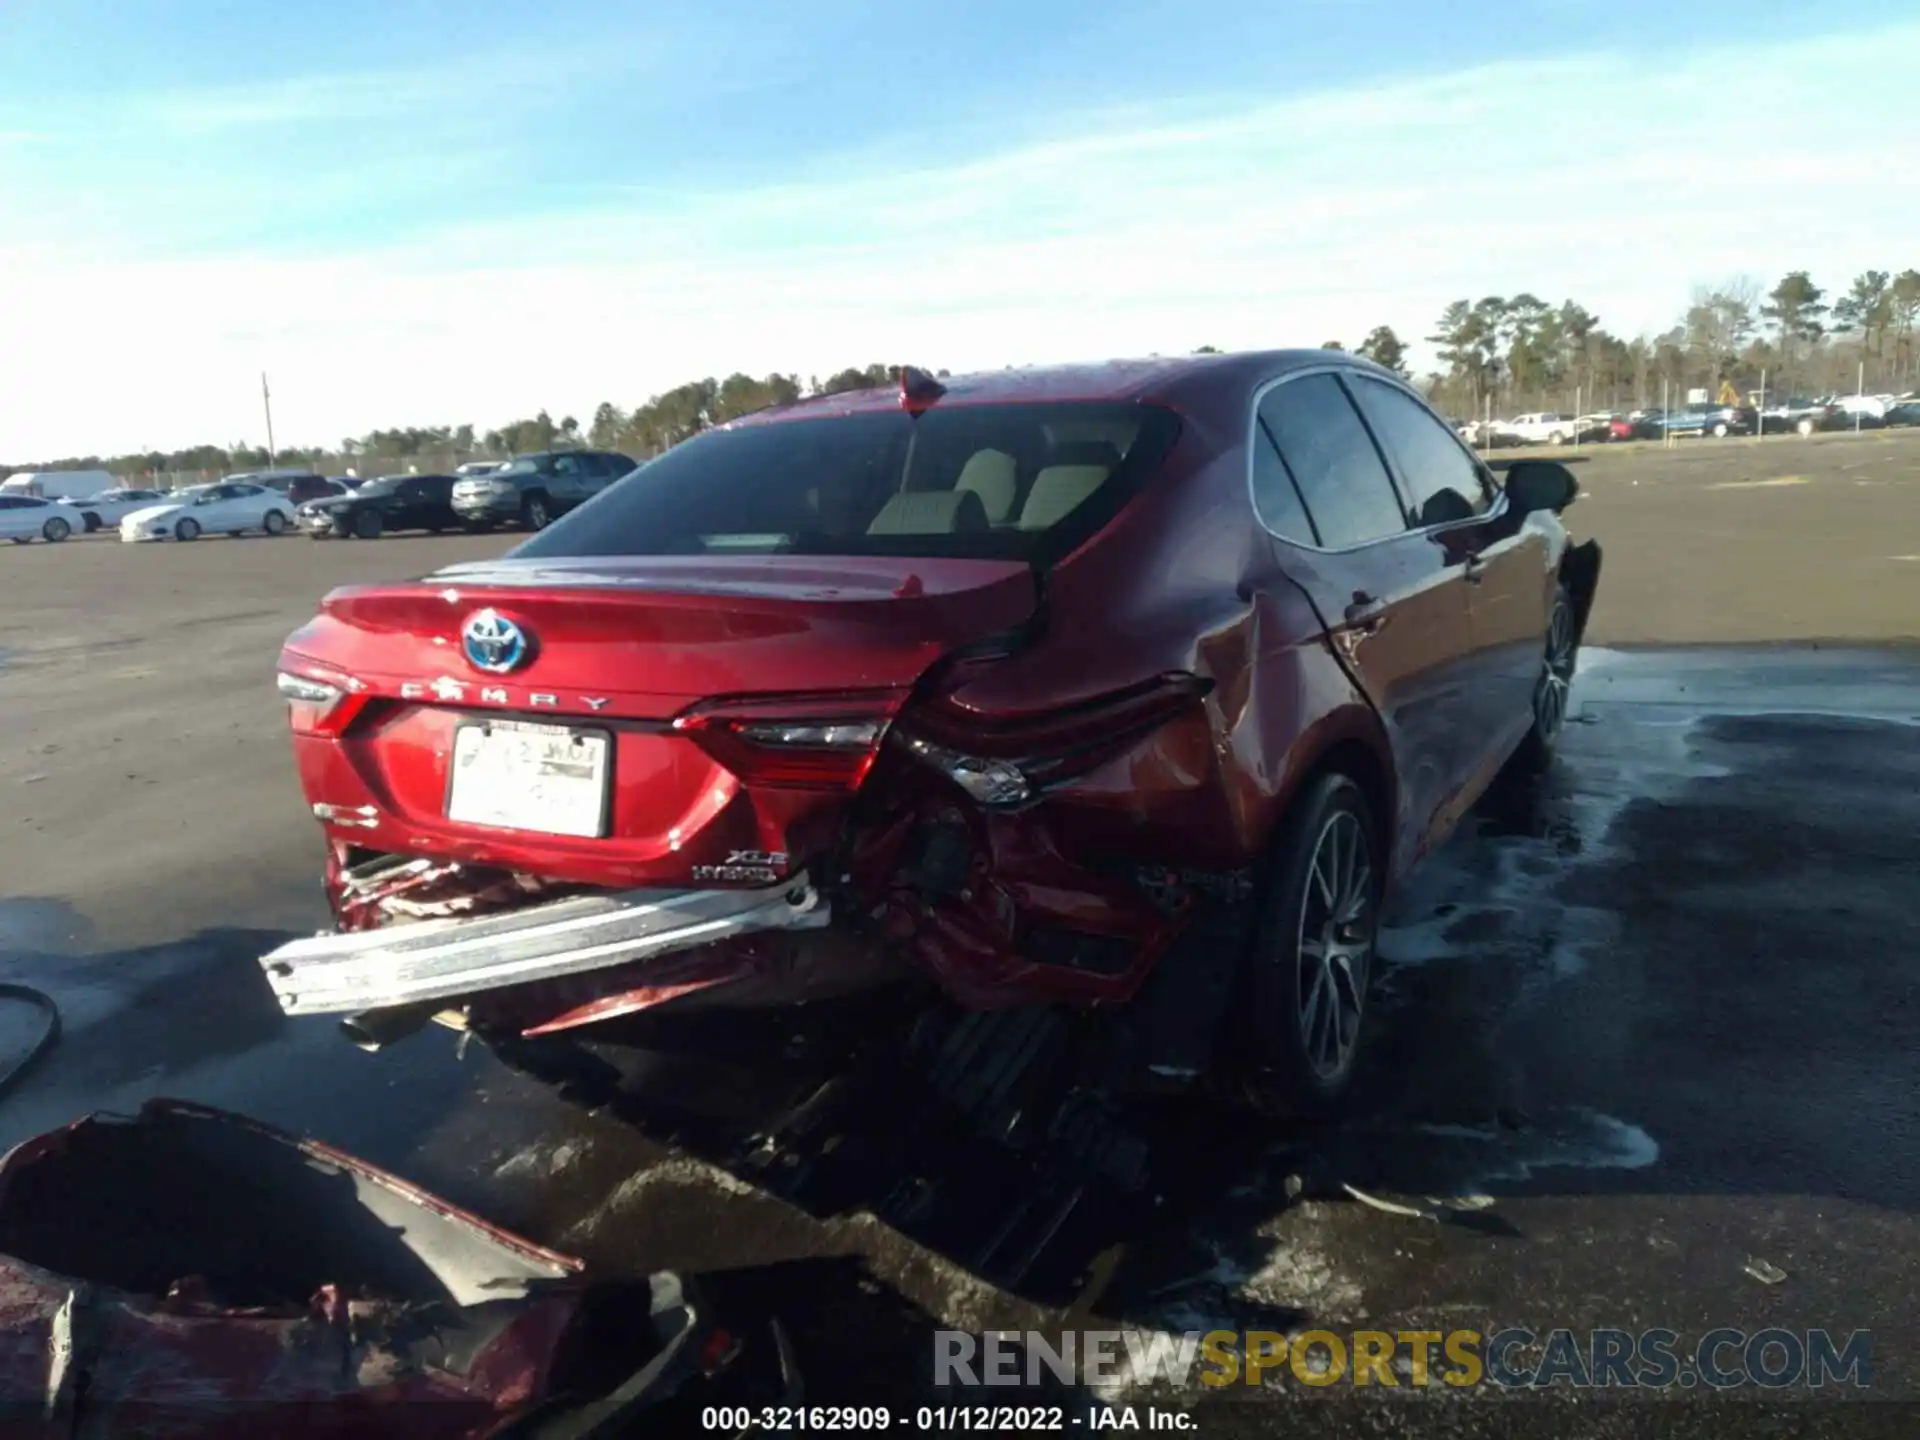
(494, 643)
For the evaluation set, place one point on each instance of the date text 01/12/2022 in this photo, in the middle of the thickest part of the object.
(931, 1419)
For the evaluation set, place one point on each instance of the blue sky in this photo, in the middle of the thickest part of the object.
(430, 213)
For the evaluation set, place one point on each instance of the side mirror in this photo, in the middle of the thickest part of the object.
(1534, 485)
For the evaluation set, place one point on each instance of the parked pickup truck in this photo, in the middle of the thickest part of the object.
(1546, 427)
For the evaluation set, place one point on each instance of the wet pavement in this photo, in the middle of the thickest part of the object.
(1655, 1014)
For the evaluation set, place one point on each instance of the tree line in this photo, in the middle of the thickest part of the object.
(1520, 352)
(1509, 353)
(646, 430)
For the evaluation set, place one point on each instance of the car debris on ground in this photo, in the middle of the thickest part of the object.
(189, 1271)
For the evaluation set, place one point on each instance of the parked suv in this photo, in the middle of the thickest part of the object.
(531, 490)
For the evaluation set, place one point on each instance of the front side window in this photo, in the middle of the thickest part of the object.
(1443, 482)
(1332, 459)
(1013, 481)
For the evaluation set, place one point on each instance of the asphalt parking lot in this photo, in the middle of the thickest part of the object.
(1658, 1010)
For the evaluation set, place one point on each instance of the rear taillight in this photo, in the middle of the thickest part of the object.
(1010, 760)
(797, 742)
(319, 704)
(991, 782)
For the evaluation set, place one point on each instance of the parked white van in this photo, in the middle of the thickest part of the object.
(59, 484)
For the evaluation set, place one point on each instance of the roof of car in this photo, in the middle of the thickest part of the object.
(1111, 381)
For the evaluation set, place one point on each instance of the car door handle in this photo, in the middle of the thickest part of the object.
(1366, 614)
(1474, 569)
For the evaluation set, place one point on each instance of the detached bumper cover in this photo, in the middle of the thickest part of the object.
(441, 959)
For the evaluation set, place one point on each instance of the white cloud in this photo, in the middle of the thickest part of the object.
(1617, 180)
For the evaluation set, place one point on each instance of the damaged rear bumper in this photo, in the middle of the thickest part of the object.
(441, 959)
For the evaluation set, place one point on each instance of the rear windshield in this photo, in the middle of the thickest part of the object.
(1022, 482)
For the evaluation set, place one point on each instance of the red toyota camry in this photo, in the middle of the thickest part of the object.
(1134, 685)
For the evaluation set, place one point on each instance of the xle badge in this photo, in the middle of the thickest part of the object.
(758, 866)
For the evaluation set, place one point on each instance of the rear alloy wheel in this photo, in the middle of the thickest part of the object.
(1553, 687)
(273, 522)
(1301, 1024)
(1805, 427)
(56, 530)
(187, 529)
(1720, 431)
(535, 513)
(367, 525)
(1556, 438)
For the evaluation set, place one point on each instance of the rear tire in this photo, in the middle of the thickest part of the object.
(1301, 1022)
(187, 529)
(536, 512)
(367, 525)
(1556, 438)
(1805, 427)
(56, 530)
(1720, 431)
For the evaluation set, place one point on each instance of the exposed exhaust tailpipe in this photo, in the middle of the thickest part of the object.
(374, 1030)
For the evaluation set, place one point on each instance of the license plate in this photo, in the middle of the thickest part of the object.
(549, 779)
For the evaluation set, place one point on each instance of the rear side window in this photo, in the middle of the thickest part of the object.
(1332, 459)
(1020, 481)
(1276, 499)
(1443, 482)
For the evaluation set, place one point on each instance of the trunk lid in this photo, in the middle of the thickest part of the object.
(609, 747)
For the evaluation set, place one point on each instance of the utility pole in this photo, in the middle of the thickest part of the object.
(266, 399)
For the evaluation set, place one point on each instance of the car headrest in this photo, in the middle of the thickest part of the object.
(994, 476)
(1058, 491)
